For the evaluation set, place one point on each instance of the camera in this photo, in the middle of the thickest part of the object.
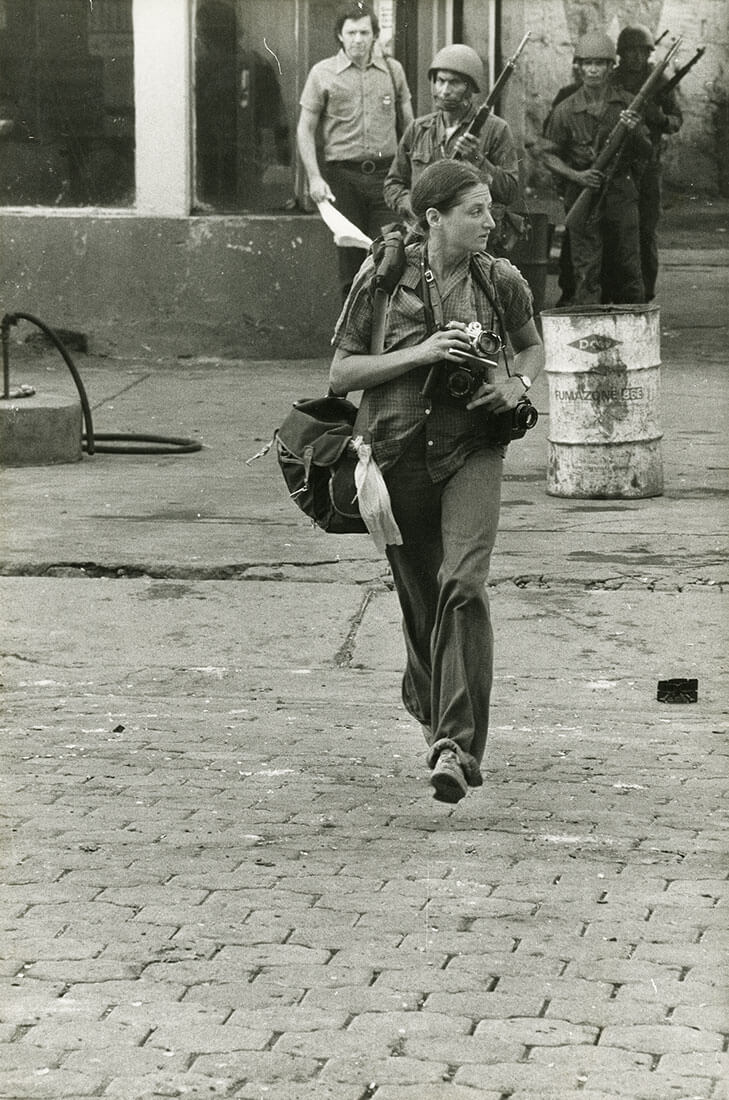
(451, 383)
(483, 341)
(523, 417)
(455, 384)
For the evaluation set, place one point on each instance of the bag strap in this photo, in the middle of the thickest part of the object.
(398, 115)
(388, 253)
(379, 320)
(430, 322)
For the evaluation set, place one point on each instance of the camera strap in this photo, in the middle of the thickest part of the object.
(427, 280)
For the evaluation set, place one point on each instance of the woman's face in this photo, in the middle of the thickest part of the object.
(466, 226)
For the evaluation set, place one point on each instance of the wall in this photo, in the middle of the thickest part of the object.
(695, 159)
(154, 279)
(157, 280)
(162, 105)
(228, 286)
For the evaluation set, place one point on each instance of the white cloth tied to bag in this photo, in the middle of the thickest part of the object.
(374, 499)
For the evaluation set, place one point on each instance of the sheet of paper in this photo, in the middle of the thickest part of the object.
(346, 234)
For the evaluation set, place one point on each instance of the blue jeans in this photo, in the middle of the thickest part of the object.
(440, 573)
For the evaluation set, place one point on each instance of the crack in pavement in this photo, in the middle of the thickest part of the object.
(301, 573)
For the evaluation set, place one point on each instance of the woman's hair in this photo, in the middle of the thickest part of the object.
(355, 11)
(441, 186)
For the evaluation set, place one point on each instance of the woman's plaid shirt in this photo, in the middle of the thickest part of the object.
(396, 411)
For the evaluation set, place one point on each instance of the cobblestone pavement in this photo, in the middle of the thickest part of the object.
(224, 875)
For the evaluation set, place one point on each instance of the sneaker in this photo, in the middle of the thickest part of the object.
(448, 778)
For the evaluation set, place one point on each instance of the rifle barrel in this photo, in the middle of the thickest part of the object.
(679, 74)
(515, 56)
(507, 70)
(478, 121)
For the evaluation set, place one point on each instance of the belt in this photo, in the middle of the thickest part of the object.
(366, 167)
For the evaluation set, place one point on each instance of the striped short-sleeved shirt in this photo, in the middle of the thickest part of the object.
(396, 410)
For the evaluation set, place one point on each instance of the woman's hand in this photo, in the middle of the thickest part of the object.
(499, 397)
(349, 372)
(446, 343)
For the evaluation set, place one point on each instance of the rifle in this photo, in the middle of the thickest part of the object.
(588, 198)
(478, 121)
(680, 74)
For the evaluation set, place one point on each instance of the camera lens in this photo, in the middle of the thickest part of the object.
(489, 344)
(525, 415)
(460, 383)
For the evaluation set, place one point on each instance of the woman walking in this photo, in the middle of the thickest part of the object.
(441, 453)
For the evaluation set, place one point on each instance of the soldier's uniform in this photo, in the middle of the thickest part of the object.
(662, 117)
(576, 132)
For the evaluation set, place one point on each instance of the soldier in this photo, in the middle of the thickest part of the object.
(662, 116)
(457, 75)
(565, 274)
(577, 130)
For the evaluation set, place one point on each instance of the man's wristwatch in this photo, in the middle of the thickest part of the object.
(525, 380)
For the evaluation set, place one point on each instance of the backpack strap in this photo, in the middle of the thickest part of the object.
(388, 253)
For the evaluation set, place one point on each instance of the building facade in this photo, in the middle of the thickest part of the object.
(150, 193)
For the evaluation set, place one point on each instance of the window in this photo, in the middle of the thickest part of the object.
(245, 105)
(251, 61)
(66, 103)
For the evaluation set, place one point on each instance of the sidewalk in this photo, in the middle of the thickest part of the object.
(224, 874)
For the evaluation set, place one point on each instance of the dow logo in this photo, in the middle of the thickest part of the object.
(594, 343)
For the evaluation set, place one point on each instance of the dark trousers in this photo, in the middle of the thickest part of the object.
(566, 276)
(440, 574)
(359, 197)
(606, 253)
(649, 212)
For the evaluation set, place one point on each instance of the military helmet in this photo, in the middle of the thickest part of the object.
(595, 44)
(635, 35)
(459, 59)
